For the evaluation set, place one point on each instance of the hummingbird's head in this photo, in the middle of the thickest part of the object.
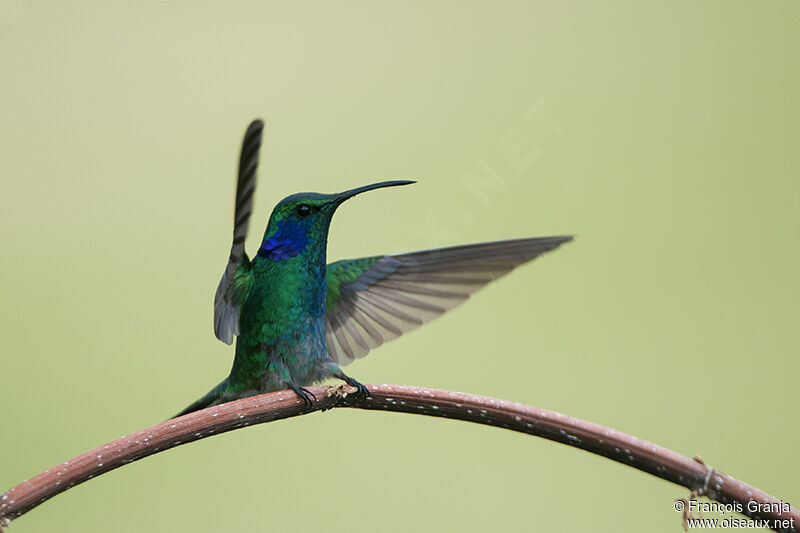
(299, 223)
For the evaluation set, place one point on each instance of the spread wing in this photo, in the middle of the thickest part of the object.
(376, 299)
(235, 280)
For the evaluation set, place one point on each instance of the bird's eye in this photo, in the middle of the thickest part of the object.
(302, 210)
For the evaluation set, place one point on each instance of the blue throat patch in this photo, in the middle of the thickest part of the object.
(290, 239)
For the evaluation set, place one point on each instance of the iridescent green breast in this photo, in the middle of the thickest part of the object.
(283, 294)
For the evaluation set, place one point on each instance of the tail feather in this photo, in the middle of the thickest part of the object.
(206, 401)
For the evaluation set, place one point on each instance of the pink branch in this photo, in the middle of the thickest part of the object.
(588, 436)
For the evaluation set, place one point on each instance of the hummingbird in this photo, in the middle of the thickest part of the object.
(298, 320)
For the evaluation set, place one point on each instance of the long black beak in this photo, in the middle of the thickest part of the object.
(341, 197)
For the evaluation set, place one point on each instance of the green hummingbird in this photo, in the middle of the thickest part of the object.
(298, 320)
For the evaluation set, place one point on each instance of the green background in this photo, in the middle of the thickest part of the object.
(664, 134)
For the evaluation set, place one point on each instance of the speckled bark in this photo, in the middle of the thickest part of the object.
(617, 446)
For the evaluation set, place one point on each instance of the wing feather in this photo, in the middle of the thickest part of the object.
(373, 300)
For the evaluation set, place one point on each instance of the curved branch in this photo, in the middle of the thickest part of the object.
(617, 446)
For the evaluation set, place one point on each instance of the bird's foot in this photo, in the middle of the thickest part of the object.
(304, 394)
(362, 392)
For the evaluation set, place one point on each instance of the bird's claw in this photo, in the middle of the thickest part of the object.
(305, 395)
(362, 391)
